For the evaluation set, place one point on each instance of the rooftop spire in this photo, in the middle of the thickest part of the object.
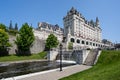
(73, 11)
(97, 22)
(10, 26)
(72, 8)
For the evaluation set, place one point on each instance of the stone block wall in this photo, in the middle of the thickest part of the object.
(38, 45)
(14, 47)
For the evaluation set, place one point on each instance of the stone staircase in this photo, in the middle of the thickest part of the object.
(91, 57)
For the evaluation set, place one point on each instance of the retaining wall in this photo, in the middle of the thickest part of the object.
(38, 45)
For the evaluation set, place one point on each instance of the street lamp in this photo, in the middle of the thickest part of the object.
(61, 56)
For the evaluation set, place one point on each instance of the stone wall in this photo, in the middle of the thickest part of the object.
(38, 45)
(51, 56)
(14, 47)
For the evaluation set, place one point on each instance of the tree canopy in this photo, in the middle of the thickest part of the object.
(2, 26)
(4, 39)
(51, 41)
(25, 38)
(4, 42)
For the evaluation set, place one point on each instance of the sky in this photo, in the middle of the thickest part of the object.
(53, 11)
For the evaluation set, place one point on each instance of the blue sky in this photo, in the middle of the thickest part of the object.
(53, 11)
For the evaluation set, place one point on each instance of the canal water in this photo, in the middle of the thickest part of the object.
(16, 69)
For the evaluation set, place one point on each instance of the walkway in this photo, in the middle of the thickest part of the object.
(52, 74)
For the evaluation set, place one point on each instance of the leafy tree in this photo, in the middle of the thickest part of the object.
(51, 41)
(2, 26)
(4, 42)
(25, 39)
(70, 45)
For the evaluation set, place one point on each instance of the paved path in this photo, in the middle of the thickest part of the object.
(53, 74)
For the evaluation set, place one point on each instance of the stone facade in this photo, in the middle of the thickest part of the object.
(44, 30)
(81, 32)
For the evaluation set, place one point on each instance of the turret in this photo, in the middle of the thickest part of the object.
(97, 22)
(10, 26)
(73, 11)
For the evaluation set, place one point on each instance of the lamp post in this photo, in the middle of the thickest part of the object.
(61, 56)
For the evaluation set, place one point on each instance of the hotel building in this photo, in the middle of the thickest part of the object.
(81, 32)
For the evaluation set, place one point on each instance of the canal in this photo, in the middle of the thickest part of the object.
(16, 69)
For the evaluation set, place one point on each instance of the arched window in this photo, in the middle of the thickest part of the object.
(86, 43)
(93, 44)
(96, 44)
(78, 41)
(72, 40)
(83, 42)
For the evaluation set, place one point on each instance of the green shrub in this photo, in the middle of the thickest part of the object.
(51, 41)
(70, 45)
(24, 40)
(4, 42)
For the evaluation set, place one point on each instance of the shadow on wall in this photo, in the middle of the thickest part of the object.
(23, 53)
(4, 52)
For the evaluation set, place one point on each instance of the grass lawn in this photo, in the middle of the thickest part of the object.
(40, 55)
(107, 68)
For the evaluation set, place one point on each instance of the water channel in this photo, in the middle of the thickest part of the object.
(16, 69)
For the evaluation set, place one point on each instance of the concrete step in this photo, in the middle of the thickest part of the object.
(91, 58)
